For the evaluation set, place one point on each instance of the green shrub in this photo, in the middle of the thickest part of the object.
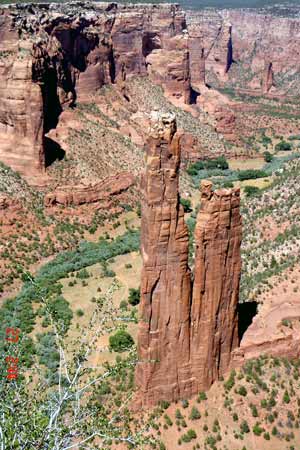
(251, 191)
(189, 436)
(134, 296)
(242, 391)
(202, 395)
(228, 385)
(83, 274)
(61, 312)
(218, 163)
(251, 174)
(79, 312)
(257, 429)
(123, 305)
(244, 427)
(254, 411)
(266, 140)
(268, 157)
(47, 350)
(120, 341)
(195, 414)
(178, 414)
(228, 184)
(168, 420)
(164, 404)
(186, 203)
(286, 397)
(283, 146)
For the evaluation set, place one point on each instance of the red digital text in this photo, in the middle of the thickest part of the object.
(12, 336)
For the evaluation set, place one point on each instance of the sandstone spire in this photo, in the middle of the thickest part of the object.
(163, 341)
(184, 344)
(214, 320)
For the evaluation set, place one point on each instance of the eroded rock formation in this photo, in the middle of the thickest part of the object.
(52, 55)
(214, 319)
(163, 371)
(185, 341)
(78, 195)
(246, 37)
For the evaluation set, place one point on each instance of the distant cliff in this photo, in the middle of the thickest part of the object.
(245, 49)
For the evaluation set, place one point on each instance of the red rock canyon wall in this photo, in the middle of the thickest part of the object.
(53, 54)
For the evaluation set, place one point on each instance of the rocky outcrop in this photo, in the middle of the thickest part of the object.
(275, 329)
(185, 341)
(78, 195)
(220, 110)
(214, 318)
(197, 56)
(9, 203)
(171, 69)
(163, 370)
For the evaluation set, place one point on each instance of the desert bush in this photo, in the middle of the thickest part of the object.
(195, 414)
(268, 157)
(250, 174)
(61, 312)
(120, 341)
(186, 203)
(189, 436)
(134, 296)
(283, 146)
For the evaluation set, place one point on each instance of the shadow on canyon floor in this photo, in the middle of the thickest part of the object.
(53, 151)
(247, 311)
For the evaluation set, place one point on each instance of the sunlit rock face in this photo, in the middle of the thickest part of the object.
(186, 333)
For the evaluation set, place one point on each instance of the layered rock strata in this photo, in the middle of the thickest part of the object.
(186, 333)
(214, 318)
(78, 195)
(163, 371)
(52, 55)
(246, 37)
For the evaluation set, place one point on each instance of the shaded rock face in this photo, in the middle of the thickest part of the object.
(268, 77)
(52, 55)
(186, 333)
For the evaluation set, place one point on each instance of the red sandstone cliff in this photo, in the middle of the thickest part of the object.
(237, 43)
(51, 55)
(184, 341)
(163, 370)
(214, 320)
